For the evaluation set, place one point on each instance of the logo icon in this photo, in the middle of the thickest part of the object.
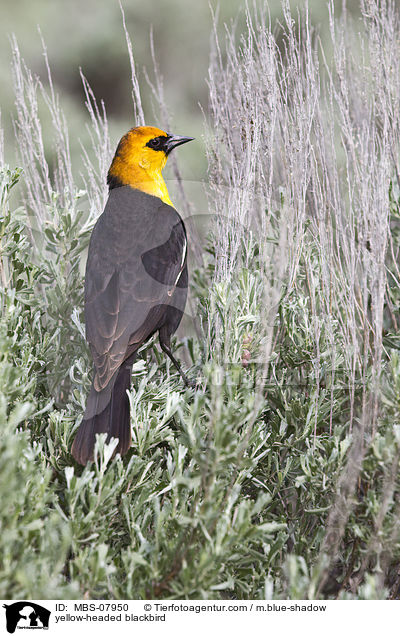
(26, 615)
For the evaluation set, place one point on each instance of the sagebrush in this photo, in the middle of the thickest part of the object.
(278, 476)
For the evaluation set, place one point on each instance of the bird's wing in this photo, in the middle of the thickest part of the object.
(136, 256)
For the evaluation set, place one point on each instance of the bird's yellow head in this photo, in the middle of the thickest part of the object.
(139, 159)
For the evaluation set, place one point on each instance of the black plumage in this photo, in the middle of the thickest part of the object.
(136, 284)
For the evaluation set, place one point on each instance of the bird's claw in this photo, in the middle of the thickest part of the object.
(191, 384)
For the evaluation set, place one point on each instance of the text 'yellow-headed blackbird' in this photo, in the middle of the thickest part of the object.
(136, 281)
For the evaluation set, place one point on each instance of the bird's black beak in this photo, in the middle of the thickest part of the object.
(175, 140)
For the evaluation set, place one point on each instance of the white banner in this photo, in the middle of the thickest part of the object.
(195, 617)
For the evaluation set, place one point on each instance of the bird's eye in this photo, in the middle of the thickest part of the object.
(155, 143)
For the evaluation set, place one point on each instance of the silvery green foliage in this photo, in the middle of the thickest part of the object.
(278, 476)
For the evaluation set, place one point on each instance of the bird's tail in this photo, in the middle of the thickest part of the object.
(106, 411)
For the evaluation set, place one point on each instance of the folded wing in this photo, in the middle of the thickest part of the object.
(137, 254)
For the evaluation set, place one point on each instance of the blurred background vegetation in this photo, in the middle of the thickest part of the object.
(90, 36)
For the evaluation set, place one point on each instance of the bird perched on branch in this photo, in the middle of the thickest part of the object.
(136, 281)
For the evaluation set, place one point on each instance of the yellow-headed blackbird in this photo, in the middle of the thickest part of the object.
(136, 281)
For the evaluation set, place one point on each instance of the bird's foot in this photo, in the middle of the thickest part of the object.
(191, 384)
